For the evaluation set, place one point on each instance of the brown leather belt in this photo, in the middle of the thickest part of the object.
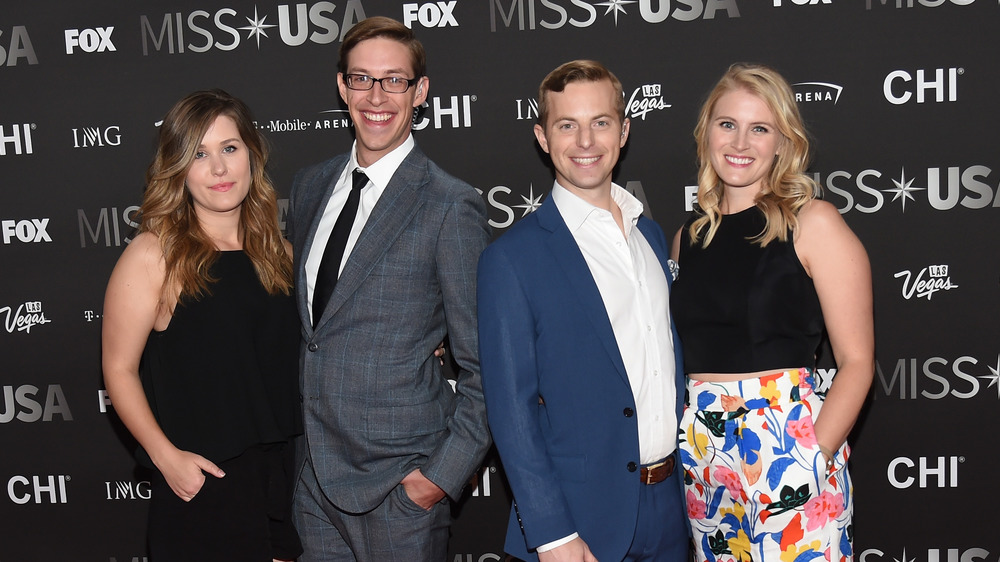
(658, 472)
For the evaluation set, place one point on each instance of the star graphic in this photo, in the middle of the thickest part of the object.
(903, 189)
(904, 558)
(994, 378)
(257, 27)
(531, 203)
(615, 6)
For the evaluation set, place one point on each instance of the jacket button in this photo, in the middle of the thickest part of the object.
(628, 412)
(631, 467)
(313, 346)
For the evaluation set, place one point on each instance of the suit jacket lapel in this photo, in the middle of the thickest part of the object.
(646, 226)
(649, 233)
(568, 256)
(314, 202)
(392, 213)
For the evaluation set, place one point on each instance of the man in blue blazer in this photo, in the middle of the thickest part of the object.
(387, 439)
(581, 366)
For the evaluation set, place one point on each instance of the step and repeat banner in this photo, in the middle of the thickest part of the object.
(900, 96)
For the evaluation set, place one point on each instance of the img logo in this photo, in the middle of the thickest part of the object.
(928, 281)
(86, 137)
(527, 109)
(127, 490)
(644, 99)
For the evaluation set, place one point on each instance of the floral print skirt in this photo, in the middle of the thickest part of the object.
(756, 483)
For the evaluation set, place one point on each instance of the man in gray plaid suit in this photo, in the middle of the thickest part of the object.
(388, 440)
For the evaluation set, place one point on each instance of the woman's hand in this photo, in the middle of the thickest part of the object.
(185, 471)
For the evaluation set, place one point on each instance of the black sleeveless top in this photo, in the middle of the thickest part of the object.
(223, 376)
(740, 308)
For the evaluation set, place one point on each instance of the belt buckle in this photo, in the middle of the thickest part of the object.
(649, 472)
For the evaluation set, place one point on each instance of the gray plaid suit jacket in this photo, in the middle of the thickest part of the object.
(375, 399)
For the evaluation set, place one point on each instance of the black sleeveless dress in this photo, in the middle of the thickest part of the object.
(222, 382)
(741, 308)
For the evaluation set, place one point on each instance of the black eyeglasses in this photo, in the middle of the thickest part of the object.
(389, 84)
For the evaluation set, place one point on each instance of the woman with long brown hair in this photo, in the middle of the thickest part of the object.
(200, 341)
(765, 268)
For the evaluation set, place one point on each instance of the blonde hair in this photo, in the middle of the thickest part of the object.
(786, 188)
(167, 208)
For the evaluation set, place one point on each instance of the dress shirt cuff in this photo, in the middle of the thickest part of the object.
(550, 545)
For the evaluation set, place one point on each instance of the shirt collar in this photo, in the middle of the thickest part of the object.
(575, 210)
(385, 167)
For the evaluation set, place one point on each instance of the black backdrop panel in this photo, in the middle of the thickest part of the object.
(899, 95)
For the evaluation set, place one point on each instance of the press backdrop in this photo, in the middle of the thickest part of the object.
(900, 96)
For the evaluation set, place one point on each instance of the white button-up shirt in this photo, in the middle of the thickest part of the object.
(634, 289)
(379, 175)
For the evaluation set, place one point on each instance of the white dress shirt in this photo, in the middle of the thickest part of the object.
(634, 289)
(379, 175)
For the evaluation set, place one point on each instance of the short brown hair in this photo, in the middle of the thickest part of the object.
(388, 28)
(578, 71)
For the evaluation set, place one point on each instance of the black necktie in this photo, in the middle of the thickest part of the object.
(329, 266)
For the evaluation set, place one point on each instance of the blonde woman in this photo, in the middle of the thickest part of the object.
(765, 268)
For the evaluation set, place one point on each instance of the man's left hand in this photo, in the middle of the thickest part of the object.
(422, 491)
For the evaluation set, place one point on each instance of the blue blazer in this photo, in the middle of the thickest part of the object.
(556, 389)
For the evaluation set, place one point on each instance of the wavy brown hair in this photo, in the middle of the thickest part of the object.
(168, 211)
(786, 188)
